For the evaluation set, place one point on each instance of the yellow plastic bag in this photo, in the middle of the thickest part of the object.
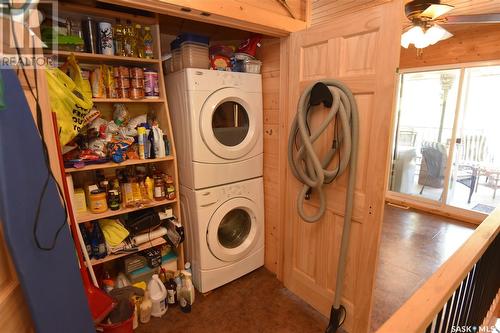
(68, 102)
(75, 73)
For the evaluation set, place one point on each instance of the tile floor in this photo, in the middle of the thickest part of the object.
(413, 246)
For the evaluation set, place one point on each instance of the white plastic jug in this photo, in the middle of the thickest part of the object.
(158, 296)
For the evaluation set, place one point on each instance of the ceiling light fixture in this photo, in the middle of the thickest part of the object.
(422, 36)
(424, 30)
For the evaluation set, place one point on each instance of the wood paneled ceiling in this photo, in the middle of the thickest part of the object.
(471, 7)
(465, 7)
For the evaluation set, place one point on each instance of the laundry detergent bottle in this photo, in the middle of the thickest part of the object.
(158, 296)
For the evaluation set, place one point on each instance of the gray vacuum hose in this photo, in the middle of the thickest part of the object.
(307, 167)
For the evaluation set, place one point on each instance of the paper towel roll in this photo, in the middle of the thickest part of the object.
(149, 236)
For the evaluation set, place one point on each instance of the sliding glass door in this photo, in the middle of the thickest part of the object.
(475, 175)
(423, 133)
(446, 150)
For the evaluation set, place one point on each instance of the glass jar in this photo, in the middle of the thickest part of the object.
(159, 188)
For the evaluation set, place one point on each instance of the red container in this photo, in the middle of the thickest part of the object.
(126, 326)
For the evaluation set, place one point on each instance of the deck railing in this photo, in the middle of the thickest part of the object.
(463, 295)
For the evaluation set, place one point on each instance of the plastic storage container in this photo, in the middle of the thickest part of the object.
(252, 66)
(194, 55)
(189, 51)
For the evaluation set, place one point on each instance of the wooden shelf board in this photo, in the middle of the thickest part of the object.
(142, 247)
(127, 100)
(101, 58)
(109, 165)
(88, 216)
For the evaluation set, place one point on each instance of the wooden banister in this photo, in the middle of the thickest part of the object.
(429, 300)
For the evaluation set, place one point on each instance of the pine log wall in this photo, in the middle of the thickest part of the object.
(269, 53)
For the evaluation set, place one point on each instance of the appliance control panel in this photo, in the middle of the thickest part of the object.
(210, 80)
(233, 190)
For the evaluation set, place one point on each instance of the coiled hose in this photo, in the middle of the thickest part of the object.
(312, 170)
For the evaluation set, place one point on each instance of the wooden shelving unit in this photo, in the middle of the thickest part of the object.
(136, 107)
(94, 58)
(89, 216)
(109, 165)
(128, 100)
(142, 247)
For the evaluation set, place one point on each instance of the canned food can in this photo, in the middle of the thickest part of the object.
(121, 71)
(122, 92)
(122, 82)
(136, 93)
(151, 89)
(106, 38)
(136, 73)
(137, 83)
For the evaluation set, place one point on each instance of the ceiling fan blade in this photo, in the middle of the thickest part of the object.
(434, 11)
(470, 19)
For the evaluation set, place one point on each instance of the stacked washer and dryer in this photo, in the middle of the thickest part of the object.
(217, 124)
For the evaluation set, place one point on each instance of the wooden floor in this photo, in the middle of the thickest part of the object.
(413, 246)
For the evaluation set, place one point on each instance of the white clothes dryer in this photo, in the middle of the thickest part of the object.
(224, 231)
(217, 124)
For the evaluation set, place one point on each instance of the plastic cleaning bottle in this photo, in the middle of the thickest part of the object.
(158, 295)
(98, 243)
(150, 186)
(145, 309)
(118, 38)
(171, 291)
(135, 322)
(141, 132)
(140, 41)
(86, 239)
(178, 283)
(147, 41)
(188, 286)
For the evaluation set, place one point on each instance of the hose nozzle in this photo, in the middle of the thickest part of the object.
(335, 319)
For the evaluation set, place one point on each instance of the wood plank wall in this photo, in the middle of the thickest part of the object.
(322, 11)
(470, 43)
(269, 53)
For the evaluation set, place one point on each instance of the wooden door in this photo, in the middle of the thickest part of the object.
(14, 312)
(362, 50)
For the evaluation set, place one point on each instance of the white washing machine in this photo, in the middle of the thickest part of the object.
(217, 124)
(224, 231)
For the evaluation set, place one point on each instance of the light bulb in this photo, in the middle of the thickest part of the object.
(412, 36)
(436, 33)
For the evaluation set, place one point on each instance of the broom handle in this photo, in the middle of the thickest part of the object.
(80, 248)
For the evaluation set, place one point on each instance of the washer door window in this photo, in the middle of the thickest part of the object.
(228, 123)
(232, 231)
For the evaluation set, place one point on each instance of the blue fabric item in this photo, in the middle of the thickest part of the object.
(50, 280)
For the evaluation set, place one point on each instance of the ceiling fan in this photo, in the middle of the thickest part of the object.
(426, 17)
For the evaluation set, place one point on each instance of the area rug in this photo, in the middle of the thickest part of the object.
(483, 208)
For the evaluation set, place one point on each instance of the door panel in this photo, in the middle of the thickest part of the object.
(362, 50)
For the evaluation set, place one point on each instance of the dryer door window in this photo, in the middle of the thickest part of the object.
(233, 230)
(230, 123)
